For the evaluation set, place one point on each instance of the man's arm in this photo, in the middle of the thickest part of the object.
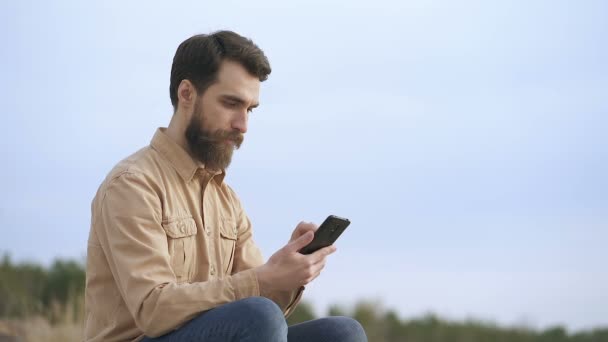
(247, 256)
(127, 221)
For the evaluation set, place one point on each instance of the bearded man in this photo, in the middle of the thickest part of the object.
(171, 255)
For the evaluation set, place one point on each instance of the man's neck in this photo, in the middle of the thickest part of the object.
(176, 131)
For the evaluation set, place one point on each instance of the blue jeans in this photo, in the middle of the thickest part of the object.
(260, 319)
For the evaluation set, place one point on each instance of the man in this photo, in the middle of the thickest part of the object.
(170, 253)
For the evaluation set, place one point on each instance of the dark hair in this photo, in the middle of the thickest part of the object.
(198, 59)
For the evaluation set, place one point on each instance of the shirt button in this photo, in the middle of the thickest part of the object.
(212, 271)
(208, 231)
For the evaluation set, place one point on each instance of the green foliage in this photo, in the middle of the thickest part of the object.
(21, 288)
(368, 313)
(386, 326)
(27, 289)
(303, 312)
(336, 310)
(56, 293)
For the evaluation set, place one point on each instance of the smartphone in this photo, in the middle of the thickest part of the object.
(327, 234)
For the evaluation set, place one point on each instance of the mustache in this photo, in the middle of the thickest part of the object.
(221, 135)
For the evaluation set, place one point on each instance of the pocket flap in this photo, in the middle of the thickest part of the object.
(228, 229)
(180, 228)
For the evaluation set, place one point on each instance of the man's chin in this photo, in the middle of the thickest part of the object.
(217, 164)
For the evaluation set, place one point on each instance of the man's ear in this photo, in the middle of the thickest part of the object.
(186, 94)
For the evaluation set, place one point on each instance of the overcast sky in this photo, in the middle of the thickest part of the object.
(465, 140)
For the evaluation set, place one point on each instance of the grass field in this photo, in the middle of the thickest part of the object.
(39, 329)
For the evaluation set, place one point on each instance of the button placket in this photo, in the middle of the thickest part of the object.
(207, 222)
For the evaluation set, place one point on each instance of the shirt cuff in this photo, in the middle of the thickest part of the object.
(245, 284)
(294, 302)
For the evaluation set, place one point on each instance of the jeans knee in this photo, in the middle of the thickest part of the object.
(265, 316)
(261, 306)
(347, 329)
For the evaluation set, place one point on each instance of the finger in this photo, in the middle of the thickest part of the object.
(316, 271)
(316, 268)
(302, 228)
(306, 225)
(321, 254)
(300, 242)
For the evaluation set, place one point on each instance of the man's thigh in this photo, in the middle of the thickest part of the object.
(249, 319)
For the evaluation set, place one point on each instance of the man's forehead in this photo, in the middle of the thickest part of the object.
(234, 80)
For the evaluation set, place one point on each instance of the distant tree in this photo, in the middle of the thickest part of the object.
(368, 314)
(394, 328)
(336, 310)
(66, 280)
(554, 334)
(21, 287)
(27, 289)
(303, 312)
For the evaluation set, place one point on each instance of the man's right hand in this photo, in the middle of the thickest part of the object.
(287, 269)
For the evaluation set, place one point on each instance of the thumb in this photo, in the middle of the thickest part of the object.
(300, 242)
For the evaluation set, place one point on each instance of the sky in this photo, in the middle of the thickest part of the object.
(465, 140)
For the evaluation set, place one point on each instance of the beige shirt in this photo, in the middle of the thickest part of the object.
(168, 240)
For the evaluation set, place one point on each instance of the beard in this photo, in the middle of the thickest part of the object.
(211, 148)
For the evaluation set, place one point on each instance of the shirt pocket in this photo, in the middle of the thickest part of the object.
(228, 239)
(181, 238)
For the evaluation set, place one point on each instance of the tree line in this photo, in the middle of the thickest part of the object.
(57, 294)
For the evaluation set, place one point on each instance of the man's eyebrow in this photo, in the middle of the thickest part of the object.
(238, 99)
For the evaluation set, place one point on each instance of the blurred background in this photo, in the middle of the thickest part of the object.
(465, 140)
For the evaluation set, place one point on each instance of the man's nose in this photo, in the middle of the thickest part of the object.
(240, 122)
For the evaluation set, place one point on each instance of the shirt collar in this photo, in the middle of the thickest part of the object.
(179, 158)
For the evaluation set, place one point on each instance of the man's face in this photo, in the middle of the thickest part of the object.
(220, 115)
